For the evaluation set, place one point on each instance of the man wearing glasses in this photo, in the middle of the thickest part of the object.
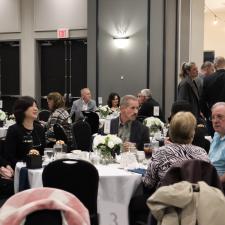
(217, 148)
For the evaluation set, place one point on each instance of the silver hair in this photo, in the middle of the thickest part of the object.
(219, 62)
(146, 92)
(218, 104)
(206, 64)
(125, 100)
(84, 89)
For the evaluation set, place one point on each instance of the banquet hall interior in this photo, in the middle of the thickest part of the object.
(90, 165)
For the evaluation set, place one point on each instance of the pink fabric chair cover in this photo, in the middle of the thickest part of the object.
(16, 208)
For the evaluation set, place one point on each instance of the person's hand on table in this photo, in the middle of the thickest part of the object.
(6, 172)
(128, 145)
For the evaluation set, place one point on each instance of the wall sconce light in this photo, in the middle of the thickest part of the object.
(121, 42)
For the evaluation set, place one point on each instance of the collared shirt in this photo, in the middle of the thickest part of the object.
(124, 130)
(217, 153)
(84, 106)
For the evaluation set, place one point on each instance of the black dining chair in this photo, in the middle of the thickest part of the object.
(93, 119)
(43, 115)
(192, 171)
(50, 217)
(82, 135)
(77, 177)
(60, 133)
(141, 118)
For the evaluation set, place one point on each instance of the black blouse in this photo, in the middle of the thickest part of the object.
(20, 140)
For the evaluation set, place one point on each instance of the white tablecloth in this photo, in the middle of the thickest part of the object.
(3, 132)
(116, 187)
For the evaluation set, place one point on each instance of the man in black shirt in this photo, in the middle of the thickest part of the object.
(150, 107)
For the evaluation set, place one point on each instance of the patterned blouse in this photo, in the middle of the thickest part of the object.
(62, 117)
(170, 155)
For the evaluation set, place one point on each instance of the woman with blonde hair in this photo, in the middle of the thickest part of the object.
(59, 115)
(181, 132)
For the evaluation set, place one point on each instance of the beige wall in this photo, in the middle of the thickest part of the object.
(214, 35)
(26, 21)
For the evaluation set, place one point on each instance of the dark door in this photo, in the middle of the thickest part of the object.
(9, 73)
(63, 67)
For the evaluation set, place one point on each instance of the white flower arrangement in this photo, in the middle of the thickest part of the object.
(106, 144)
(104, 111)
(154, 124)
(2, 115)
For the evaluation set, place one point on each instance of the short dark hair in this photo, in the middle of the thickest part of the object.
(20, 106)
(111, 97)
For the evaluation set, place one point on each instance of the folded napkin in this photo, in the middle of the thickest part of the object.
(139, 171)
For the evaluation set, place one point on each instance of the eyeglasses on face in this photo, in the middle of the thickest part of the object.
(218, 117)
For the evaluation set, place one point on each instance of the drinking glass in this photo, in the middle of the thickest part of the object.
(132, 147)
(148, 150)
(49, 154)
(58, 149)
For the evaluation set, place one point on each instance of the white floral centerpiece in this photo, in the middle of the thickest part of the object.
(104, 111)
(154, 124)
(108, 145)
(2, 115)
(2, 118)
(10, 120)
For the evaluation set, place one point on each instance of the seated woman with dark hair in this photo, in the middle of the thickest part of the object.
(59, 115)
(114, 102)
(25, 134)
(181, 133)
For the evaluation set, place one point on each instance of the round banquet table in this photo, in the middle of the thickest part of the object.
(116, 187)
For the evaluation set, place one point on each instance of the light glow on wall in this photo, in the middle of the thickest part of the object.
(121, 42)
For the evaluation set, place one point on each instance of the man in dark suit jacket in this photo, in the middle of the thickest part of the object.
(213, 90)
(214, 87)
(127, 127)
(149, 107)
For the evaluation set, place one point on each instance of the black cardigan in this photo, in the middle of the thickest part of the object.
(19, 141)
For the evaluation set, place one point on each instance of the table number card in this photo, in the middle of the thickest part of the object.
(107, 126)
(1, 104)
(156, 111)
(114, 213)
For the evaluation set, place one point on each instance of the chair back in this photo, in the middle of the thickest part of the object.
(93, 119)
(77, 177)
(60, 133)
(43, 115)
(50, 217)
(193, 171)
(44, 206)
(82, 135)
(141, 118)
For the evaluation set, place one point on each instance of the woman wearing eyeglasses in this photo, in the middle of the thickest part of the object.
(26, 134)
